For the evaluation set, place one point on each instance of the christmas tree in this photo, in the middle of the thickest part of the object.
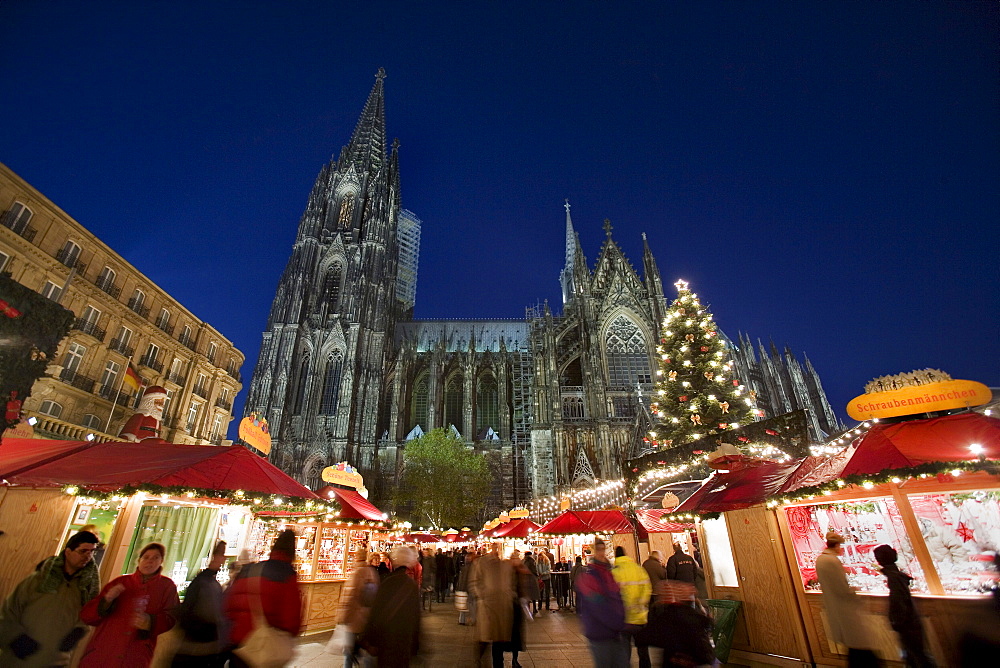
(696, 394)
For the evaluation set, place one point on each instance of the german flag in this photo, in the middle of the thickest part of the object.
(132, 378)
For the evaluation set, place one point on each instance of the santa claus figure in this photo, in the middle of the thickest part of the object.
(145, 423)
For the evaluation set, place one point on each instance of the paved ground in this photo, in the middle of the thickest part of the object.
(554, 640)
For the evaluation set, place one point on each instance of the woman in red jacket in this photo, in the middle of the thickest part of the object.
(271, 584)
(129, 613)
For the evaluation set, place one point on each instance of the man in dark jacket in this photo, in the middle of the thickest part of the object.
(654, 568)
(275, 586)
(599, 604)
(201, 618)
(681, 566)
(903, 615)
(393, 631)
(444, 572)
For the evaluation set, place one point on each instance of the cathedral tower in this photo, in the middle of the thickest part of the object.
(321, 371)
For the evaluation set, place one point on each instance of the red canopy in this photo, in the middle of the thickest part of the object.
(107, 467)
(421, 538)
(519, 528)
(352, 504)
(588, 521)
(651, 520)
(460, 537)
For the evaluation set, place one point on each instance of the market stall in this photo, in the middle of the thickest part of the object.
(930, 488)
(185, 496)
(580, 527)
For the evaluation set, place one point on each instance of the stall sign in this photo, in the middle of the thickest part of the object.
(343, 474)
(928, 398)
(22, 429)
(254, 432)
(518, 513)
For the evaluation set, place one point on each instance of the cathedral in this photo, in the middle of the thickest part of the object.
(558, 399)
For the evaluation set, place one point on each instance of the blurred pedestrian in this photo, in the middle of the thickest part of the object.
(844, 610)
(574, 573)
(492, 584)
(599, 604)
(544, 565)
(444, 573)
(679, 627)
(130, 613)
(903, 615)
(681, 566)
(428, 580)
(468, 616)
(356, 602)
(392, 634)
(271, 586)
(201, 618)
(636, 590)
(40, 620)
(654, 568)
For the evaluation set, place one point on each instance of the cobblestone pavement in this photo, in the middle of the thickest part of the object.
(554, 640)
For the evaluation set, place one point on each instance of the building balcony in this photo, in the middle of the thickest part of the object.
(77, 380)
(109, 287)
(137, 307)
(165, 326)
(71, 260)
(177, 377)
(152, 363)
(186, 341)
(235, 375)
(10, 221)
(224, 404)
(114, 391)
(122, 347)
(88, 327)
(201, 391)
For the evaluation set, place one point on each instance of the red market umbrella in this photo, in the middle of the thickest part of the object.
(108, 467)
(519, 528)
(420, 538)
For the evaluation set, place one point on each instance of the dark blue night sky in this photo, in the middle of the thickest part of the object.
(825, 174)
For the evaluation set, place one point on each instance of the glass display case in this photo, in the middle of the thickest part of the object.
(305, 550)
(962, 533)
(865, 525)
(330, 562)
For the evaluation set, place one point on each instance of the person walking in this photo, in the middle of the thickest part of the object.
(468, 564)
(130, 613)
(355, 607)
(681, 629)
(271, 586)
(202, 620)
(654, 568)
(491, 582)
(599, 603)
(527, 582)
(681, 566)
(636, 590)
(40, 620)
(392, 634)
(544, 565)
(844, 610)
(428, 581)
(574, 573)
(903, 615)
(444, 571)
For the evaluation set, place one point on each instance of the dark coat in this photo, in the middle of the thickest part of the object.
(681, 567)
(655, 570)
(393, 630)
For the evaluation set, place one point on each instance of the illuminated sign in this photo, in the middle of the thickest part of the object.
(254, 432)
(915, 399)
(343, 474)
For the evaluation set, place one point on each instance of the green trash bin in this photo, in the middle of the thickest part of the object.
(723, 613)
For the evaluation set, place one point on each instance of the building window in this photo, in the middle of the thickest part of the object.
(627, 356)
(163, 319)
(331, 288)
(152, 352)
(331, 384)
(90, 315)
(69, 255)
(167, 402)
(51, 291)
(91, 421)
(110, 376)
(419, 411)
(138, 297)
(124, 336)
(487, 405)
(212, 350)
(454, 402)
(74, 355)
(216, 428)
(300, 387)
(4, 259)
(346, 211)
(17, 217)
(572, 408)
(192, 420)
(50, 408)
(107, 278)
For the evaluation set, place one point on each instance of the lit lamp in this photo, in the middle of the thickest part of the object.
(978, 450)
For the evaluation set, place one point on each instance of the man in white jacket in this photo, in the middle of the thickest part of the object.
(844, 610)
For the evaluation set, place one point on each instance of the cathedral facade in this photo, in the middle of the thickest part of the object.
(346, 373)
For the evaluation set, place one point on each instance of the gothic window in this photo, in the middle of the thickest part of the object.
(331, 384)
(572, 375)
(454, 403)
(300, 387)
(331, 288)
(346, 211)
(628, 359)
(572, 408)
(487, 405)
(418, 410)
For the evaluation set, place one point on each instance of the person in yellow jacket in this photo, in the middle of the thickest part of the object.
(633, 581)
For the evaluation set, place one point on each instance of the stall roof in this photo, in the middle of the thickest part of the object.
(588, 521)
(519, 528)
(108, 467)
(652, 521)
(353, 505)
(883, 447)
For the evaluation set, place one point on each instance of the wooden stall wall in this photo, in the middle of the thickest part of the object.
(770, 614)
(33, 522)
(321, 599)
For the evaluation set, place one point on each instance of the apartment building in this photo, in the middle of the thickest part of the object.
(120, 316)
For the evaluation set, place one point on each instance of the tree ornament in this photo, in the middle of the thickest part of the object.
(695, 419)
(673, 375)
(689, 337)
(724, 405)
(709, 375)
(683, 397)
(704, 349)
